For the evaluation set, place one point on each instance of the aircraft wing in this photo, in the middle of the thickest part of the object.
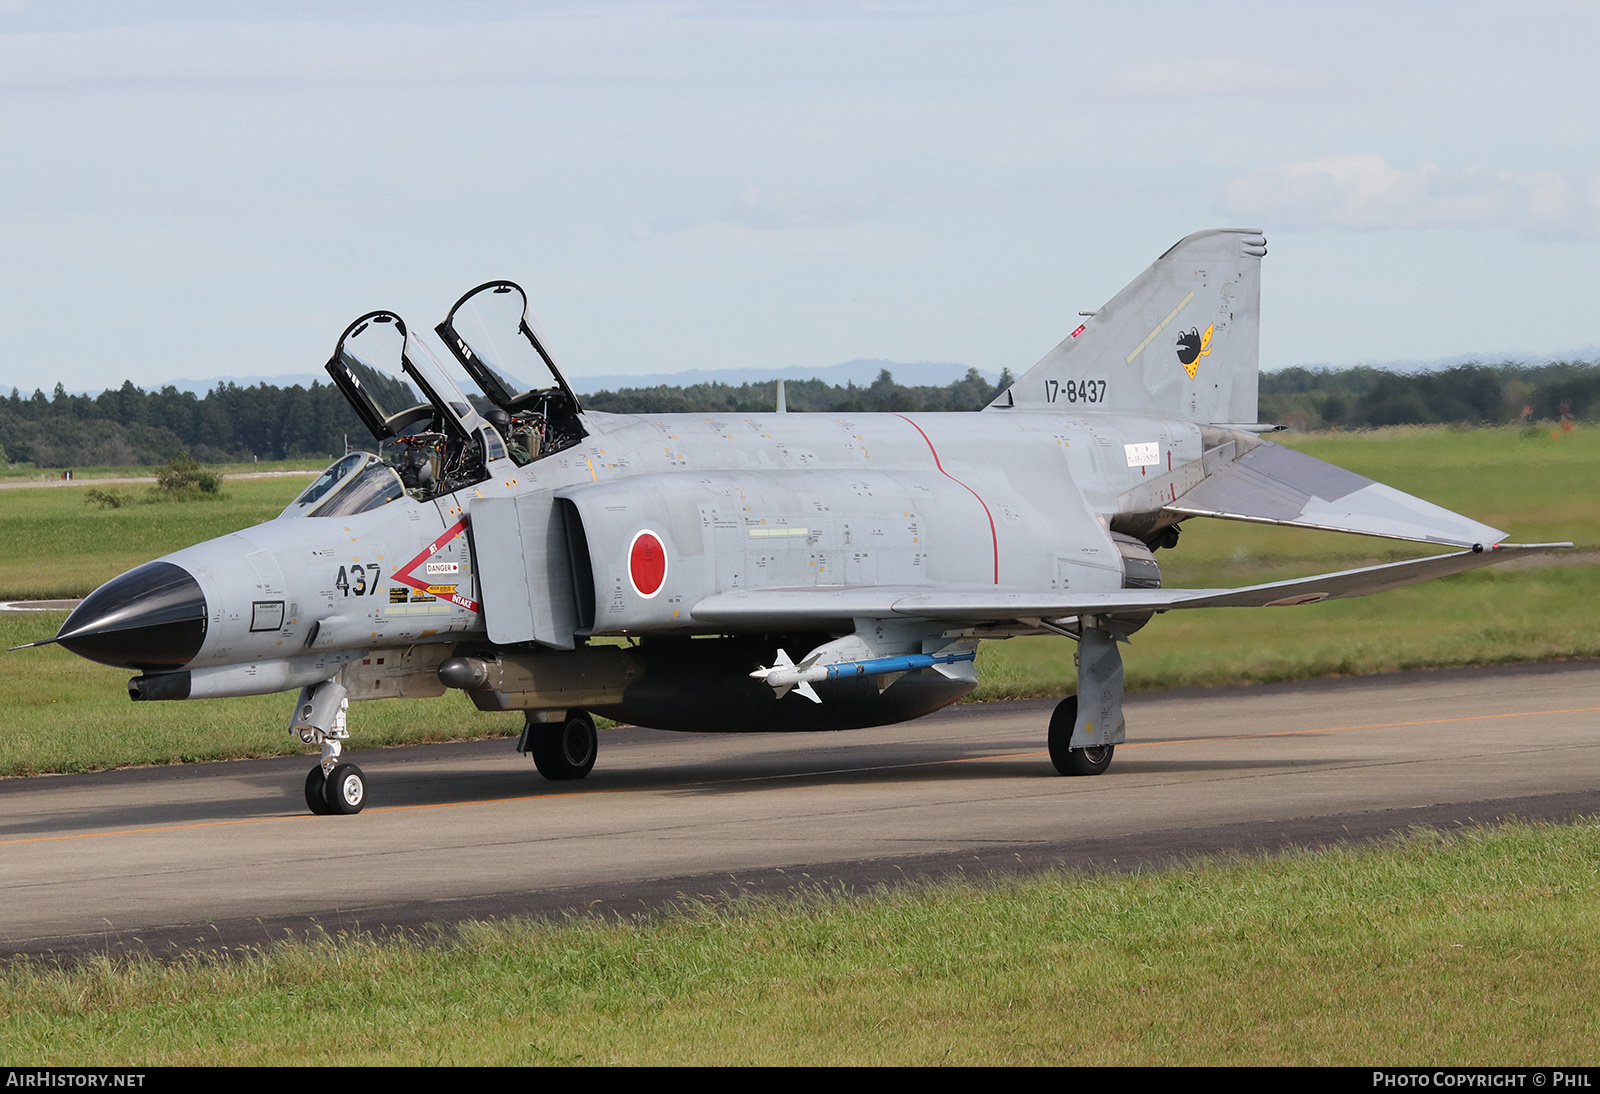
(985, 603)
(1272, 484)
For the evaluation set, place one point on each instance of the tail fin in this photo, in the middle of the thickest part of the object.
(1182, 339)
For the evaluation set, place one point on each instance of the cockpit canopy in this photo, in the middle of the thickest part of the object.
(490, 331)
(491, 334)
(430, 435)
(427, 430)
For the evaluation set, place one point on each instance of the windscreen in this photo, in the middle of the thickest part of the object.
(332, 477)
(374, 485)
(354, 484)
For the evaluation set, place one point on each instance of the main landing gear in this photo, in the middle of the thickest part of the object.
(563, 745)
(1074, 761)
(1083, 737)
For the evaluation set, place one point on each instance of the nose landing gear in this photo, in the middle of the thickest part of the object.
(341, 794)
(332, 788)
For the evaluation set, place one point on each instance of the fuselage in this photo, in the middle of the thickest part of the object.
(736, 501)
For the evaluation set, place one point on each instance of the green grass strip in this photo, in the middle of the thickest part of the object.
(1477, 948)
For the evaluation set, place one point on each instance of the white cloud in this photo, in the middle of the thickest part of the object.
(1211, 76)
(1365, 192)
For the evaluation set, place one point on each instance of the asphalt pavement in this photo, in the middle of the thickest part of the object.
(226, 854)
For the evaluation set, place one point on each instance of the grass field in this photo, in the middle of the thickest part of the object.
(65, 714)
(1481, 948)
(19, 472)
(62, 547)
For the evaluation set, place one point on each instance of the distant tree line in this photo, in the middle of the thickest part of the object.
(971, 392)
(126, 425)
(1365, 398)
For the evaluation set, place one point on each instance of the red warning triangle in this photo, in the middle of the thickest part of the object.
(406, 574)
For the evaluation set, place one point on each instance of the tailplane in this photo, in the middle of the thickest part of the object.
(1182, 339)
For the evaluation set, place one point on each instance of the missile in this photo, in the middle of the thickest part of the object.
(785, 675)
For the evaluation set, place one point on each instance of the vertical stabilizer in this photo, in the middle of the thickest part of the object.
(1182, 339)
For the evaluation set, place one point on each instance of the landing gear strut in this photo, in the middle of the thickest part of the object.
(1083, 736)
(562, 749)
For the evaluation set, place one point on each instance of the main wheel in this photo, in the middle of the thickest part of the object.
(566, 749)
(316, 790)
(346, 791)
(1069, 760)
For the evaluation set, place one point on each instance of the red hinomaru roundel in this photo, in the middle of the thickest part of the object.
(647, 564)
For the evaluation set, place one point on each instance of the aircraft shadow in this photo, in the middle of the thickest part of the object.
(280, 795)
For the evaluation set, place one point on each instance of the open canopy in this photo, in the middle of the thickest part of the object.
(491, 334)
(398, 387)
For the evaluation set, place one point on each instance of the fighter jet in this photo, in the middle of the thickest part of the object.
(748, 572)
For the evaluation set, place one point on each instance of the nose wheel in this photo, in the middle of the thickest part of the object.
(342, 793)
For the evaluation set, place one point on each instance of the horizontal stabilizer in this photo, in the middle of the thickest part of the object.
(990, 603)
(1363, 581)
(1272, 484)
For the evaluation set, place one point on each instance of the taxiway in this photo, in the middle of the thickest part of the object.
(225, 854)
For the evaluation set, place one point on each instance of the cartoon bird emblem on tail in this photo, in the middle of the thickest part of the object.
(1192, 345)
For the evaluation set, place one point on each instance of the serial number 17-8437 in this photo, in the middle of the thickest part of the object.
(1075, 391)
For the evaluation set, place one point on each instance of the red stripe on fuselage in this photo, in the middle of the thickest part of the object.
(994, 538)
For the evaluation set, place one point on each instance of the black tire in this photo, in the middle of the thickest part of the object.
(316, 789)
(1069, 760)
(346, 792)
(566, 749)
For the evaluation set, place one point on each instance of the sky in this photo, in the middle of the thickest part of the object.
(213, 189)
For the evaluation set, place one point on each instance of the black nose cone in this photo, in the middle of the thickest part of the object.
(152, 618)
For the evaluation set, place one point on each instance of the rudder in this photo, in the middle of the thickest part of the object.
(1182, 339)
